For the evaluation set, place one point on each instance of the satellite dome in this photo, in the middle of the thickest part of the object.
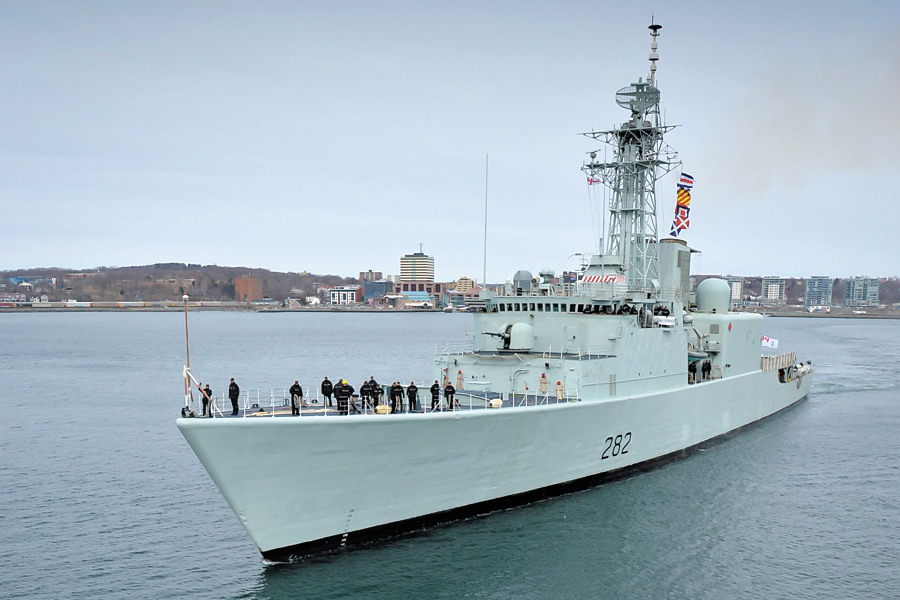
(522, 280)
(713, 295)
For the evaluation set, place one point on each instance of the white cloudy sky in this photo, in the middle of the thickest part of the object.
(336, 136)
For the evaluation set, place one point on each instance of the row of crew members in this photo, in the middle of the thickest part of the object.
(370, 393)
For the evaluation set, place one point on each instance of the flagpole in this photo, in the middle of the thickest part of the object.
(484, 273)
(603, 212)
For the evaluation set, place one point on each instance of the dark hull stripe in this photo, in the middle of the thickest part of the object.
(363, 537)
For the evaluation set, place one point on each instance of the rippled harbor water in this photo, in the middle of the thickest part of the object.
(100, 497)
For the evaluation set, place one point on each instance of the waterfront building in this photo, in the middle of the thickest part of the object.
(13, 297)
(416, 300)
(818, 291)
(417, 266)
(431, 287)
(464, 284)
(342, 295)
(247, 289)
(737, 291)
(861, 291)
(376, 290)
(454, 299)
(772, 292)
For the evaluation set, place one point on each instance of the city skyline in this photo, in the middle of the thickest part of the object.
(291, 137)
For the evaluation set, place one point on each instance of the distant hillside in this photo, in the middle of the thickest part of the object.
(164, 281)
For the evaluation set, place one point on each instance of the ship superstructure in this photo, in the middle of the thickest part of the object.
(555, 392)
(625, 320)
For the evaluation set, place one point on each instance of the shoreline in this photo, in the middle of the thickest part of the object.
(367, 310)
(180, 309)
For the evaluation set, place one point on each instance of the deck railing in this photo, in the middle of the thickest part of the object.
(454, 347)
(773, 362)
(277, 402)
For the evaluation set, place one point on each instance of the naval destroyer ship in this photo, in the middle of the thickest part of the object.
(556, 391)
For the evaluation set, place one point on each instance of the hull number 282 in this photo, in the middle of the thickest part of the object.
(616, 445)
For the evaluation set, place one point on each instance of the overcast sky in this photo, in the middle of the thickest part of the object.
(334, 137)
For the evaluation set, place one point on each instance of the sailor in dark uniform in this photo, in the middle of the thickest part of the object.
(207, 399)
(392, 394)
(342, 393)
(435, 394)
(412, 396)
(327, 389)
(449, 393)
(296, 398)
(401, 393)
(234, 392)
(375, 392)
(348, 392)
(364, 394)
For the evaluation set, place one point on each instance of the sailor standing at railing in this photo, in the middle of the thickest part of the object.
(364, 392)
(396, 397)
(450, 395)
(435, 394)
(412, 396)
(375, 391)
(326, 388)
(296, 398)
(342, 392)
(207, 399)
(234, 392)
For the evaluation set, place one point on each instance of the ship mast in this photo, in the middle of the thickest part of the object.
(640, 158)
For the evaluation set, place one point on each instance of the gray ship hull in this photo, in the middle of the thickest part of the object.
(310, 485)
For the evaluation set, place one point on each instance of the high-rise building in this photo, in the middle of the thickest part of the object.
(818, 291)
(737, 291)
(861, 291)
(417, 267)
(772, 292)
(370, 275)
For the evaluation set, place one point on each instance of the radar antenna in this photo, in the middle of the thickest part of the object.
(640, 158)
(654, 32)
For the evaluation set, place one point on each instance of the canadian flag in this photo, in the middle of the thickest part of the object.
(768, 342)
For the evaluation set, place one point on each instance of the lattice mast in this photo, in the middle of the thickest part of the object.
(640, 158)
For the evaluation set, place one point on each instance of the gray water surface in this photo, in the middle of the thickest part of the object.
(100, 497)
